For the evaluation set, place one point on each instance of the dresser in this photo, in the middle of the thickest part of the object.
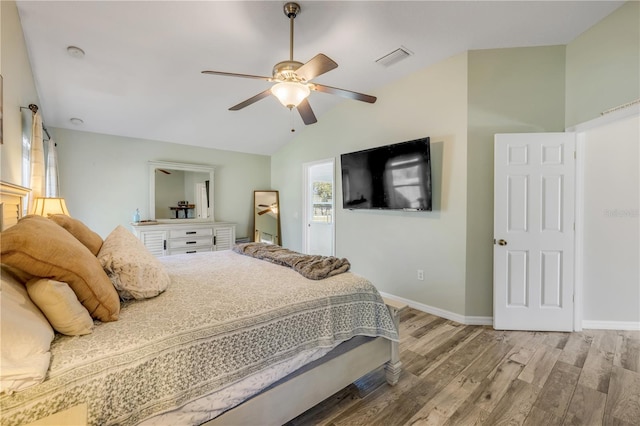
(165, 239)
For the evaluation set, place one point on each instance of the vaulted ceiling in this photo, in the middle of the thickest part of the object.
(140, 75)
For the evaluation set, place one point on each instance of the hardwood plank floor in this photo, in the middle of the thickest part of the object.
(473, 375)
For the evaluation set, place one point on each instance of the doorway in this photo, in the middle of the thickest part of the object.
(534, 231)
(319, 208)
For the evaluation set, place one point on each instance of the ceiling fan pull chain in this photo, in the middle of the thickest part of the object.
(292, 125)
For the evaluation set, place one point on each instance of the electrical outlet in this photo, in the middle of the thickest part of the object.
(420, 275)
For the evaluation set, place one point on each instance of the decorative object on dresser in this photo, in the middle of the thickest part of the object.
(167, 238)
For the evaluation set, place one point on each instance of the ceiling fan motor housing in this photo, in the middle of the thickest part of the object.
(286, 71)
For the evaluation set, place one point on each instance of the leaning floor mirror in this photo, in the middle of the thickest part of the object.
(266, 217)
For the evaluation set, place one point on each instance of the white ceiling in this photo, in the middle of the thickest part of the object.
(140, 76)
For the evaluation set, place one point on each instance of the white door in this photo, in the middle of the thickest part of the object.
(533, 254)
(319, 208)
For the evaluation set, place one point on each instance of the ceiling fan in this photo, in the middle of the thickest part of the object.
(268, 208)
(293, 79)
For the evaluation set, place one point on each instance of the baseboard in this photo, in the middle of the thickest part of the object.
(611, 325)
(472, 320)
(467, 320)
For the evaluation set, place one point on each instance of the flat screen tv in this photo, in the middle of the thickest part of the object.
(394, 177)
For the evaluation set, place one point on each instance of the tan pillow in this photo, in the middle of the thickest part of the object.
(134, 272)
(86, 236)
(42, 248)
(60, 305)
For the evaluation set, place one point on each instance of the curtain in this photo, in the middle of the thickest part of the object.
(53, 188)
(37, 178)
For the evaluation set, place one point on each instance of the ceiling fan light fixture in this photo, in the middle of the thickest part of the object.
(290, 93)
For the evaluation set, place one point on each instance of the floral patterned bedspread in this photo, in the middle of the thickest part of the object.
(224, 316)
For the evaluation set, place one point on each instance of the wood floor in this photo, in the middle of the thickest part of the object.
(473, 375)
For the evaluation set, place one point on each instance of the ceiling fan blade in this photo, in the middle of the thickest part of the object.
(306, 112)
(251, 100)
(231, 74)
(260, 213)
(344, 93)
(318, 65)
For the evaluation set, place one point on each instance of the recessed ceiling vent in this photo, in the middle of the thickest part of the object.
(394, 57)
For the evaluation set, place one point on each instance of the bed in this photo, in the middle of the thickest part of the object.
(231, 340)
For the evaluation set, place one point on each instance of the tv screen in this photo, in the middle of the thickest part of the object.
(396, 177)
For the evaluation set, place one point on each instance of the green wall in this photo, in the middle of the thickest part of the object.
(510, 91)
(603, 65)
(388, 247)
(104, 178)
(18, 90)
(536, 89)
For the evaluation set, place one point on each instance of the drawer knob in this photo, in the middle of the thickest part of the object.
(190, 232)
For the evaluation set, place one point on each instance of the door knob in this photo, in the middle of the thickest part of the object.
(502, 242)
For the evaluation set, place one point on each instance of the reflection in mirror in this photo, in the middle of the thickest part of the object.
(266, 217)
(180, 191)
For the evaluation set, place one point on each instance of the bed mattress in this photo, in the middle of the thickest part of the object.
(224, 318)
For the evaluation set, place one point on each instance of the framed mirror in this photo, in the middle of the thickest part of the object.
(266, 217)
(180, 192)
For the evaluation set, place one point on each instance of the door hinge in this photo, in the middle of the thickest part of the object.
(575, 155)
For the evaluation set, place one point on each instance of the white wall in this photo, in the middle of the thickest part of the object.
(611, 250)
(104, 178)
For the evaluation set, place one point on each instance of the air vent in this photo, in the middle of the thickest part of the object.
(394, 57)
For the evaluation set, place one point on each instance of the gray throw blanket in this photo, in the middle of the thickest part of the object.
(314, 267)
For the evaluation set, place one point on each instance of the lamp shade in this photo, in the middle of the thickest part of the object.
(290, 94)
(49, 206)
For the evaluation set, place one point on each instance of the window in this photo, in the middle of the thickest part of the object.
(322, 202)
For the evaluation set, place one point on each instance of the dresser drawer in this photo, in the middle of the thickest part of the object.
(190, 232)
(191, 250)
(191, 242)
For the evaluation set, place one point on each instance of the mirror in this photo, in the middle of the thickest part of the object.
(266, 217)
(179, 191)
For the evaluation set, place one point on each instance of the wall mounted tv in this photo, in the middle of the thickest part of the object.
(394, 177)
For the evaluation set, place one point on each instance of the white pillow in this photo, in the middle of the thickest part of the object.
(61, 306)
(134, 272)
(26, 338)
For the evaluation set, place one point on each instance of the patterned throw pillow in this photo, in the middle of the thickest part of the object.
(134, 272)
